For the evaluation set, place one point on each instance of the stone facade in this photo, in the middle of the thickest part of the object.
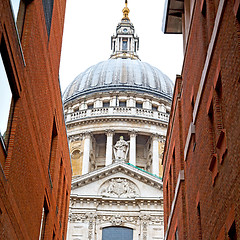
(116, 114)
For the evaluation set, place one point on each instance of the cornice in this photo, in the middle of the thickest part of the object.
(121, 118)
(109, 170)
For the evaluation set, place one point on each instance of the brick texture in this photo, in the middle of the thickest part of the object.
(207, 202)
(35, 171)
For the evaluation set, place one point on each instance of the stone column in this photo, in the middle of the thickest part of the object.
(155, 155)
(133, 148)
(109, 147)
(86, 153)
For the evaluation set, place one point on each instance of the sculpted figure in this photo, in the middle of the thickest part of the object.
(121, 149)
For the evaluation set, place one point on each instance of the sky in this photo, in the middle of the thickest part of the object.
(90, 24)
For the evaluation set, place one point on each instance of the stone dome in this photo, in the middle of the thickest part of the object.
(120, 75)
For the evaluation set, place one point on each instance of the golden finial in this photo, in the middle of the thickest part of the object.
(125, 11)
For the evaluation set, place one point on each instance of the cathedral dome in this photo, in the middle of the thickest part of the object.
(122, 75)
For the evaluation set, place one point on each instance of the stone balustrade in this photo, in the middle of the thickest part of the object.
(118, 111)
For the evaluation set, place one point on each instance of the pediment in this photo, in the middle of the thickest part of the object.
(118, 180)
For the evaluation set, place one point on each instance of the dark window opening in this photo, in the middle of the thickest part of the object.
(90, 106)
(122, 103)
(154, 108)
(48, 9)
(232, 234)
(199, 222)
(124, 44)
(106, 104)
(139, 105)
(52, 155)
(176, 234)
(43, 221)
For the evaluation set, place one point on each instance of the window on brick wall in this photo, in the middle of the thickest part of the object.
(43, 221)
(59, 186)
(199, 222)
(52, 156)
(176, 234)
(48, 9)
(62, 201)
(174, 170)
(232, 234)
(236, 9)
(167, 200)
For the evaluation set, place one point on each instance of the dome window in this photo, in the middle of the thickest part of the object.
(122, 103)
(124, 44)
(139, 105)
(154, 108)
(90, 106)
(106, 104)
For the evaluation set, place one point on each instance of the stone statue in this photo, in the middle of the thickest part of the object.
(121, 149)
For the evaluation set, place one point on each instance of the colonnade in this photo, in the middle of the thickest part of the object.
(109, 150)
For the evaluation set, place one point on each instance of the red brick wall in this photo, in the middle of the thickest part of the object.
(211, 168)
(25, 183)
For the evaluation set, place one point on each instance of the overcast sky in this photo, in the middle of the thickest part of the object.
(90, 24)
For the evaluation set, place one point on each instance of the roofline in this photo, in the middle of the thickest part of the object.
(172, 16)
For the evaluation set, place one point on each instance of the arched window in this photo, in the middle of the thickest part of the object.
(117, 233)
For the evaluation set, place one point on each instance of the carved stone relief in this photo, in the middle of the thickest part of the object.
(119, 187)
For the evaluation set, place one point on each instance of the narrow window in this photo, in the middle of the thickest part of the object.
(65, 214)
(62, 200)
(43, 221)
(52, 157)
(59, 185)
(199, 222)
(174, 169)
(176, 234)
(48, 9)
(124, 44)
(232, 234)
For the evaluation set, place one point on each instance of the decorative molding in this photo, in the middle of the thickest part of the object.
(120, 188)
(117, 167)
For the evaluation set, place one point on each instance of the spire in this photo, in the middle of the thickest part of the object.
(125, 43)
(126, 12)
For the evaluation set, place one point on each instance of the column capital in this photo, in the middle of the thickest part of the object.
(87, 134)
(155, 136)
(133, 133)
(109, 132)
(159, 137)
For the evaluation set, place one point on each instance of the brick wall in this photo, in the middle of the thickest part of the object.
(35, 170)
(207, 199)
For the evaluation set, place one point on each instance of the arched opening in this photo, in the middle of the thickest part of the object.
(117, 233)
